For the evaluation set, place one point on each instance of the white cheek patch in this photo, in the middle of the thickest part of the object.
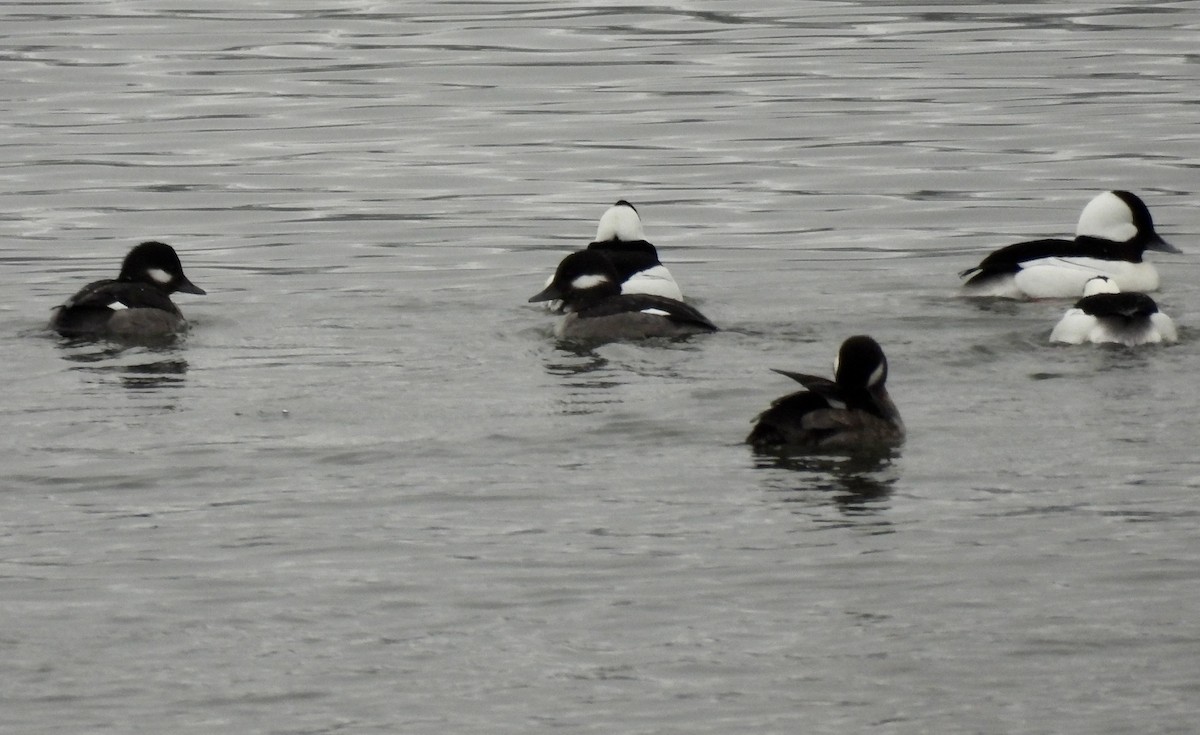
(117, 306)
(656, 312)
(1119, 233)
(583, 283)
(836, 404)
(1107, 217)
(876, 376)
(158, 275)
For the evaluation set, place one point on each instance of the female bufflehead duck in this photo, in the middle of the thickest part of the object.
(136, 304)
(590, 290)
(1104, 314)
(852, 411)
(1113, 233)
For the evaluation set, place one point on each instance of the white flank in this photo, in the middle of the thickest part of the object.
(1076, 327)
(159, 275)
(117, 306)
(656, 281)
(1049, 278)
(1108, 217)
(656, 312)
(1165, 327)
(1073, 328)
(1001, 288)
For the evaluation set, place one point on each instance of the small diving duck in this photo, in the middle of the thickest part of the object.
(1114, 231)
(619, 237)
(1105, 314)
(136, 305)
(852, 412)
(589, 287)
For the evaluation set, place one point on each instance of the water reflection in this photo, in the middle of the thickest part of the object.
(1003, 307)
(587, 378)
(571, 359)
(649, 358)
(155, 375)
(591, 372)
(138, 368)
(858, 484)
(1086, 362)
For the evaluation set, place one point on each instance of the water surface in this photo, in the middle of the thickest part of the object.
(369, 493)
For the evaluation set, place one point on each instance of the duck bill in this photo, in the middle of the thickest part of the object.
(1161, 245)
(186, 286)
(549, 293)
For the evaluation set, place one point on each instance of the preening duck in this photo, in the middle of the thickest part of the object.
(589, 288)
(849, 413)
(1105, 314)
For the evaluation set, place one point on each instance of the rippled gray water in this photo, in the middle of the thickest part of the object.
(368, 493)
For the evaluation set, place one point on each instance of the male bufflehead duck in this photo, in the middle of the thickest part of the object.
(619, 235)
(620, 238)
(590, 289)
(1105, 314)
(1113, 233)
(851, 412)
(136, 304)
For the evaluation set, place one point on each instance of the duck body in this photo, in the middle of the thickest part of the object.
(851, 413)
(632, 316)
(1114, 232)
(1107, 315)
(589, 288)
(137, 304)
(621, 239)
(637, 265)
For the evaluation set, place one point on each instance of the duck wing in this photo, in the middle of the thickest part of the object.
(676, 311)
(815, 383)
(1011, 258)
(116, 295)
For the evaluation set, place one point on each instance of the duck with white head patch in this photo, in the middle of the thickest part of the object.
(620, 238)
(135, 305)
(1106, 315)
(1114, 232)
(852, 412)
(589, 287)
